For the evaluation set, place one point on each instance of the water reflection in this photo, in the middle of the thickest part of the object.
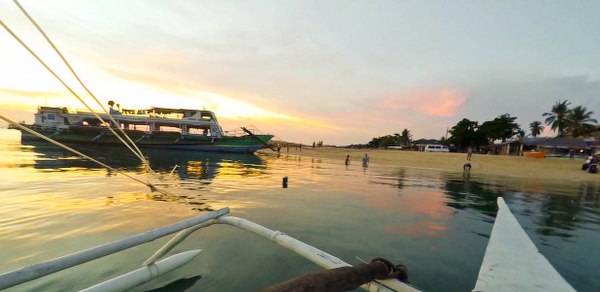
(189, 164)
(396, 180)
(558, 215)
(563, 215)
(400, 177)
(467, 194)
(438, 225)
(179, 173)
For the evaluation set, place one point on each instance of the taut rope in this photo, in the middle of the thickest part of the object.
(30, 131)
(141, 155)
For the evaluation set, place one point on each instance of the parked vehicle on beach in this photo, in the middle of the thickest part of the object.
(436, 148)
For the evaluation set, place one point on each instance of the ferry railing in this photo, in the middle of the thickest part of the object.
(152, 268)
(239, 132)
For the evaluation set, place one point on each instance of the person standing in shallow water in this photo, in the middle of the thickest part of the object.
(365, 160)
(469, 152)
(347, 162)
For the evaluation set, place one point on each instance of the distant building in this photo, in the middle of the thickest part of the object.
(553, 146)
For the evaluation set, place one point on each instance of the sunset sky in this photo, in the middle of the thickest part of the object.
(338, 71)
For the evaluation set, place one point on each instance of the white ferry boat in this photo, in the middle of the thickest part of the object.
(155, 127)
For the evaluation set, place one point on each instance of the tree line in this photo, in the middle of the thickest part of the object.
(574, 122)
(565, 121)
(469, 133)
(403, 139)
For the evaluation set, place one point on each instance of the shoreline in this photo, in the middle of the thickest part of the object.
(482, 164)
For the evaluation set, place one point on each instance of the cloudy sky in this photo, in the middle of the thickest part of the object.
(338, 71)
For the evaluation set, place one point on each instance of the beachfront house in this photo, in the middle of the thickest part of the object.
(556, 147)
(561, 146)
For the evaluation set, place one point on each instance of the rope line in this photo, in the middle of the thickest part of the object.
(141, 155)
(68, 88)
(148, 184)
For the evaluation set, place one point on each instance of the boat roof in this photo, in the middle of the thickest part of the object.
(157, 110)
(166, 110)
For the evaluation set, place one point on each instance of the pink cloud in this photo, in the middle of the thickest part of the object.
(441, 102)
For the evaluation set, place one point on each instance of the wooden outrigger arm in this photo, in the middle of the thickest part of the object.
(153, 267)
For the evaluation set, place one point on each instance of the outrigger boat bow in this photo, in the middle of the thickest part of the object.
(511, 262)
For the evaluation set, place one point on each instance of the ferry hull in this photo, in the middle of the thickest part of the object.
(165, 140)
(208, 148)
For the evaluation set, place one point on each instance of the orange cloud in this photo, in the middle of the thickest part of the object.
(227, 108)
(442, 102)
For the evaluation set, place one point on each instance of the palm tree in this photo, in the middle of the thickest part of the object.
(397, 139)
(536, 128)
(557, 117)
(406, 137)
(579, 122)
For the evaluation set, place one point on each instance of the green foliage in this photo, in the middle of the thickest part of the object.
(405, 138)
(557, 117)
(392, 140)
(576, 122)
(469, 133)
(500, 128)
(385, 141)
(579, 122)
(466, 133)
(536, 128)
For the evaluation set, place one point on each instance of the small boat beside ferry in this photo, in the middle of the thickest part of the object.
(166, 128)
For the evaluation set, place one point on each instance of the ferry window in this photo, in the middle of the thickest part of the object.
(51, 117)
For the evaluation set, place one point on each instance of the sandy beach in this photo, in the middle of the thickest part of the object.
(482, 164)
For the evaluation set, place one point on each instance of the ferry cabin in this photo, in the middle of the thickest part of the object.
(153, 120)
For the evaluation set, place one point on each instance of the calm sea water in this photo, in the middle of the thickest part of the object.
(436, 223)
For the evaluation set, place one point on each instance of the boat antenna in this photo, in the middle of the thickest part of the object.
(138, 153)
